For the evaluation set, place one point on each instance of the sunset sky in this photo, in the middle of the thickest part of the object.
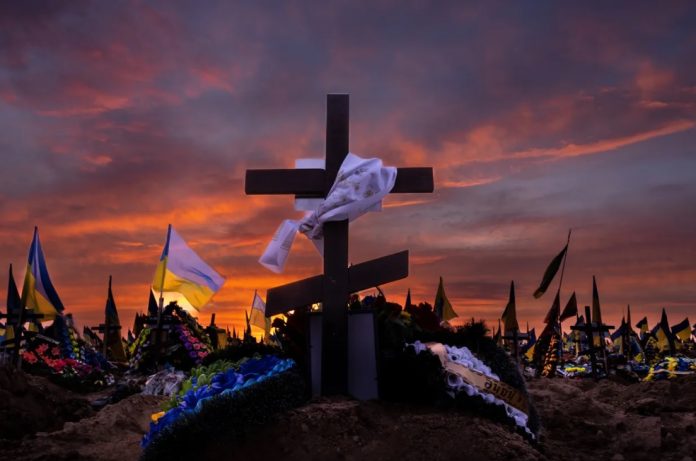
(117, 118)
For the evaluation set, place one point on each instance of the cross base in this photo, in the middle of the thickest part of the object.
(362, 354)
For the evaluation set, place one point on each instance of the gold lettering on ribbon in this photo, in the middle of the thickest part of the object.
(499, 389)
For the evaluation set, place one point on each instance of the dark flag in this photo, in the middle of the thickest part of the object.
(550, 273)
(152, 307)
(571, 308)
(596, 314)
(14, 311)
(408, 300)
(643, 327)
(532, 336)
(91, 338)
(112, 332)
(14, 301)
(509, 316)
(498, 334)
(596, 309)
(554, 312)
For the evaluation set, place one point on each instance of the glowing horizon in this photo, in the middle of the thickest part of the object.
(118, 120)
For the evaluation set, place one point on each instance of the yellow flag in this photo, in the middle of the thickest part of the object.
(443, 308)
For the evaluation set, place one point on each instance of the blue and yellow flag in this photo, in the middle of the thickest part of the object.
(663, 334)
(529, 352)
(443, 308)
(258, 317)
(643, 327)
(38, 293)
(528, 349)
(682, 330)
(181, 270)
(617, 337)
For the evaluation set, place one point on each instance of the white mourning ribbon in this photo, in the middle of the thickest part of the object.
(360, 186)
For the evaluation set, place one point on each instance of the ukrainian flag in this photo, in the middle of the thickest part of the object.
(181, 270)
(682, 330)
(443, 308)
(38, 293)
(663, 334)
(643, 327)
(258, 314)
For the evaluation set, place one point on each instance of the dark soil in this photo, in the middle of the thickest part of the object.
(29, 404)
(580, 419)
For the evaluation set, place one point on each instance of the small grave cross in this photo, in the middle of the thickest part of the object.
(16, 320)
(589, 329)
(515, 336)
(106, 329)
(334, 287)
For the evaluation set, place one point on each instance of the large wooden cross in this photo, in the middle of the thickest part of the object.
(334, 287)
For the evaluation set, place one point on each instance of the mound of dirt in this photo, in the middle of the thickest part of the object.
(610, 420)
(29, 404)
(580, 419)
(113, 434)
(349, 430)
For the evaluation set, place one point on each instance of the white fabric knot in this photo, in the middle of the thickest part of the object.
(359, 187)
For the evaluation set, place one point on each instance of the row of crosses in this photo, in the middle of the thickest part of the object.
(334, 287)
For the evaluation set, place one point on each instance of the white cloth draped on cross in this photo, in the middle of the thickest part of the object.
(360, 186)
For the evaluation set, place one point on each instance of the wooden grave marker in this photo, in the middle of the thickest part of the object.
(338, 281)
(16, 320)
(589, 329)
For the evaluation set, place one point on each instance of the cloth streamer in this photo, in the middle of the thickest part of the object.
(360, 186)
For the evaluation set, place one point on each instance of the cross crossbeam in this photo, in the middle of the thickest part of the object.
(309, 182)
(360, 277)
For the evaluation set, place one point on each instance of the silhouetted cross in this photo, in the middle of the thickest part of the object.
(589, 329)
(334, 287)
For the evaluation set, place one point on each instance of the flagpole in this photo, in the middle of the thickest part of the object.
(560, 282)
(160, 307)
(107, 324)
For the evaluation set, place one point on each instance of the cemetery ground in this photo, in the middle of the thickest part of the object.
(581, 419)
